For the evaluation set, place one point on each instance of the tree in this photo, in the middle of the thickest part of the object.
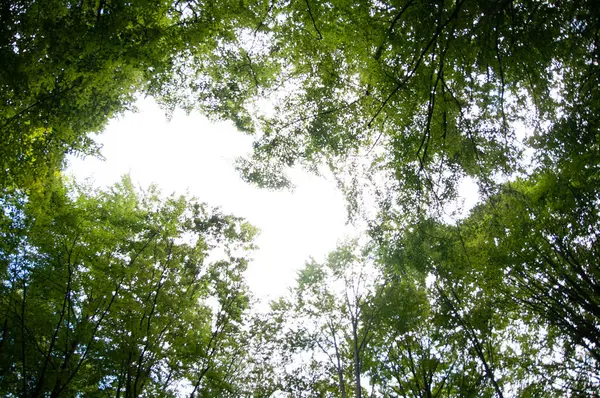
(413, 322)
(517, 285)
(426, 92)
(417, 351)
(541, 235)
(450, 323)
(68, 67)
(416, 94)
(323, 329)
(113, 291)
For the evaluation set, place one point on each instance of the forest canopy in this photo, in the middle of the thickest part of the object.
(116, 291)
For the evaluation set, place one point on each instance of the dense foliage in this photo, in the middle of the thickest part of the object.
(69, 66)
(427, 91)
(120, 292)
(116, 291)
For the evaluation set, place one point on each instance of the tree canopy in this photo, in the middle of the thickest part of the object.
(116, 292)
(121, 291)
(428, 91)
(70, 66)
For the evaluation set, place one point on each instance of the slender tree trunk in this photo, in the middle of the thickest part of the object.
(121, 377)
(338, 364)
(206, 369)
(24, 367)
(65, 307)
(60, 383)
(357, 364)
(339, 369)
(489, 370)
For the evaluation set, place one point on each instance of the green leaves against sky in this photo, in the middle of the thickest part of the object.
(122, 292)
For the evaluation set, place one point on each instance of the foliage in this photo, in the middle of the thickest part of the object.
(110, 292)
(425, 92)
(70, 66)
(114, 292)
(321, 331)
(532, 246)
(393, 324)
(519, 279)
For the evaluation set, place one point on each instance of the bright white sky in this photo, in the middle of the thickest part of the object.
(191, 155)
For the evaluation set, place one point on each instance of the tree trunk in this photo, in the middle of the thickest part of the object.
(357, 366)
(339, 369)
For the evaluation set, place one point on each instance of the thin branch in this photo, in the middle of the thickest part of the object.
(391, 29)
(417, 62)
(312, 18)
(23, 361)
